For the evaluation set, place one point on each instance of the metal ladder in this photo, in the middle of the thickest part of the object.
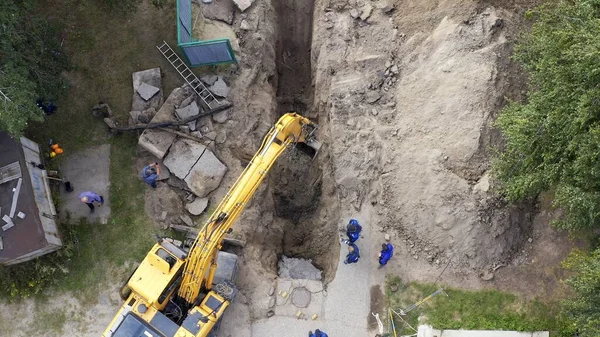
(207, 97)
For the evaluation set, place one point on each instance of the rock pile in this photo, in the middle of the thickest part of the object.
(186, 150)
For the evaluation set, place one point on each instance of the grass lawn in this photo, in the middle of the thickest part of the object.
(105, 48)
(471, 310)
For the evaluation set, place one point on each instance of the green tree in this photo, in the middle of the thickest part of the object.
(31, 63)
(553, 139)
(582, 311)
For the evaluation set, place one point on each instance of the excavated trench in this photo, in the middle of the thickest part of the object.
(297, 179)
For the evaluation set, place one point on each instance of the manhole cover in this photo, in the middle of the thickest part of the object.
(301, 297)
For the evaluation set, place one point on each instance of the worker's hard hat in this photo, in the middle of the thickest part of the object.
(52, 154)
(353, 222)
(58, 150)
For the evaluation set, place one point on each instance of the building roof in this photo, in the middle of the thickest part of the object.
(35, 234)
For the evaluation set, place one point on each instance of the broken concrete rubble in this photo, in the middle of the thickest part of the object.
(183, 155)
(209, 79)
(197, 206)
(221, 10)
(157, 141)
(366, 12)
(187, 101)
(147, 91)
(220, 88)
(149, 77)
(187, 220)
(222, 117)
(188, 111)
(196, 165)
(243, 4)
(244, 25)
(206, 175)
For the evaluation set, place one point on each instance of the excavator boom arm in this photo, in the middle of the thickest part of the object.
(200, 264)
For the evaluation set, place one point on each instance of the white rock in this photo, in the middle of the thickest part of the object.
(197, 206)
(387, 237)
(354, 13)
(244, 25)
(366, 12)
(483, 184)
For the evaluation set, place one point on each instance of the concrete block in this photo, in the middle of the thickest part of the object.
(243, 4)
(147, 91)
(197, 206)
(150, 77)
(156, 141)
(183, 156)
(220, 88)
(206, 175)
(189, 111)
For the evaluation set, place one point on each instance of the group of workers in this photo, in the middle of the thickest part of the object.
(150, 174)
(353, 230)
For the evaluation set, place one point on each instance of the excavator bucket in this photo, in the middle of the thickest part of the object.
(311, 147)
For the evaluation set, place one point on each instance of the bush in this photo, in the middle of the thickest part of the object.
(553, 140)
(31, 63)
(582, 311)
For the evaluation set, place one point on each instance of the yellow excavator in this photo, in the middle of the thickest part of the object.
(183, 293)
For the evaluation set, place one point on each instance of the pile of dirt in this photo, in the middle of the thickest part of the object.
(410, 101)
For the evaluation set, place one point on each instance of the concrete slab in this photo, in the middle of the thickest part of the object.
(188, 111)
(147, 91)
(206, 175)
(87, 170)
(151, 77)
(243, 4)
(298, 269)
(156, 141)
(197, 206)
(220, 88)
(183, 156)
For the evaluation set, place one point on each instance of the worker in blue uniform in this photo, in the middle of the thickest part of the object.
(387, 251)
(353, 230)
(317, 333)
(353, 254)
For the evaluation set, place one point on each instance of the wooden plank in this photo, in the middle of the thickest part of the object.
(13, 207)
(9, 223)
(10, 172)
